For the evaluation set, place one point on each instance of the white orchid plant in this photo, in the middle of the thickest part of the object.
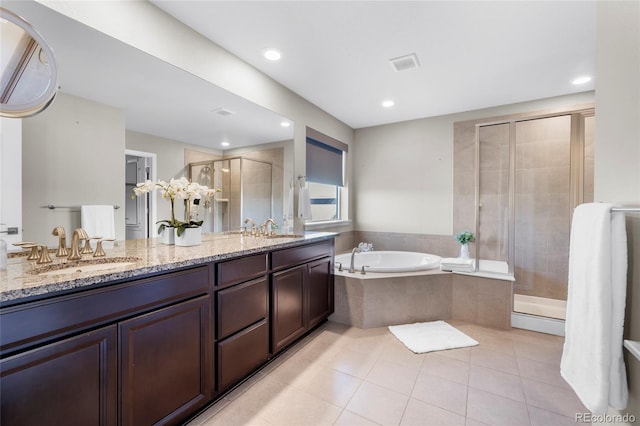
(177, 188)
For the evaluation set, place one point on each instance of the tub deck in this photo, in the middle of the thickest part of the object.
(381, 299)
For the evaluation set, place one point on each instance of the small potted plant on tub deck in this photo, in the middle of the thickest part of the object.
(464, 238)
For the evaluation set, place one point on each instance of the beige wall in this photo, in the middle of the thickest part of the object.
(11, 180)
(403, 173)
(617, 146)
(72, 154)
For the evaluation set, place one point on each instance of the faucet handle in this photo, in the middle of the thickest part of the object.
(99, 250)
(339, 266)
(34, 249)
(44, 254)
(87, 245)
(362, 271)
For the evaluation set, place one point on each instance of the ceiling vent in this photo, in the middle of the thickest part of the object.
(223, 112)
(406, 62)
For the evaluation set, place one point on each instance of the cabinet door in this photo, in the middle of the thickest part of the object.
(242, 353)
(166, 363)
(320, 291)
(241, 305)
(70, 382)
(288, 319)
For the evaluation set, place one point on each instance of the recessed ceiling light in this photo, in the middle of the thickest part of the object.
(272, 54)
(285, 124)
(225, 143)
(581, 80)
(388, 103)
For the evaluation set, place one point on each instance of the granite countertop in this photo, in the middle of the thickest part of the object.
(137, 257)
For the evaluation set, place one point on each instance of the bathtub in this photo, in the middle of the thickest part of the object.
(406, 287)
(389, 261)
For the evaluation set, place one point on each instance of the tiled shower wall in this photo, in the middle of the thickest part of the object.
(542, 206)
(544, 211)
(441, 245)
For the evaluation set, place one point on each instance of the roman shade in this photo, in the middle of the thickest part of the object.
(324, 158)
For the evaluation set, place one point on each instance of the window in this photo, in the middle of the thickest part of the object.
(325, 175)
(324, 201)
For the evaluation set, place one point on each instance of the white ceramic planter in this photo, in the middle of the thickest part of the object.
(190, 237)
(464, 251)
(167, 236)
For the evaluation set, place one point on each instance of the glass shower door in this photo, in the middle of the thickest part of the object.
(543, 208)
(493, 215)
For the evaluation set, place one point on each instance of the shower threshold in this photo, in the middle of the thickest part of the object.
(540, 306)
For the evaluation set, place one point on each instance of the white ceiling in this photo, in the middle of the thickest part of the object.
(473, 54)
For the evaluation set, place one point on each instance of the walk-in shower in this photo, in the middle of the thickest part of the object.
(530, 174)
(247, 191)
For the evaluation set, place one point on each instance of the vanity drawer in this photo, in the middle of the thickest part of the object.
(301, 254)
(26, 325)
(241, 269)
(242, 305)
(242, 353)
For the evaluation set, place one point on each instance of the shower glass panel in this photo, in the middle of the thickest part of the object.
(256, 189)
(531, 173)
(247, 192)
(589, 136)
(492, 242)
(543, 210)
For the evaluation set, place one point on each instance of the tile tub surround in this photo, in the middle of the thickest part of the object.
(379, 299)
(18, 284)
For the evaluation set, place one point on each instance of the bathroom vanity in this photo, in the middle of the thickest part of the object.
(155, 341)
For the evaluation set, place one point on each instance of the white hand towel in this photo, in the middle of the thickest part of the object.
(592, 356)
(457, 264)
(304, 204)
(98, 221)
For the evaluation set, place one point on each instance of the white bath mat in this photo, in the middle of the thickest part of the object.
(432, 336)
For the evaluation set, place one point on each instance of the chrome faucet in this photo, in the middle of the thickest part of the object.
(78, 235)
(266, 226)
(352, 268)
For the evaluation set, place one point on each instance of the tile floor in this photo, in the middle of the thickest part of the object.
(341, 375)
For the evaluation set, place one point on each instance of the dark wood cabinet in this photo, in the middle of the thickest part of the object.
(242, 305)
(157, 349)
(320, 291)
(242, 353)
(242, 318)
(136, 353)
(70, 382)
(166, 364)
(288, 294)
(302, 295)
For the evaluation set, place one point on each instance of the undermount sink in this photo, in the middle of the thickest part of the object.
(84, 266)
(285, 236)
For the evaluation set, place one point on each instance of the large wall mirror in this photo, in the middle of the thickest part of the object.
(118, 106)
